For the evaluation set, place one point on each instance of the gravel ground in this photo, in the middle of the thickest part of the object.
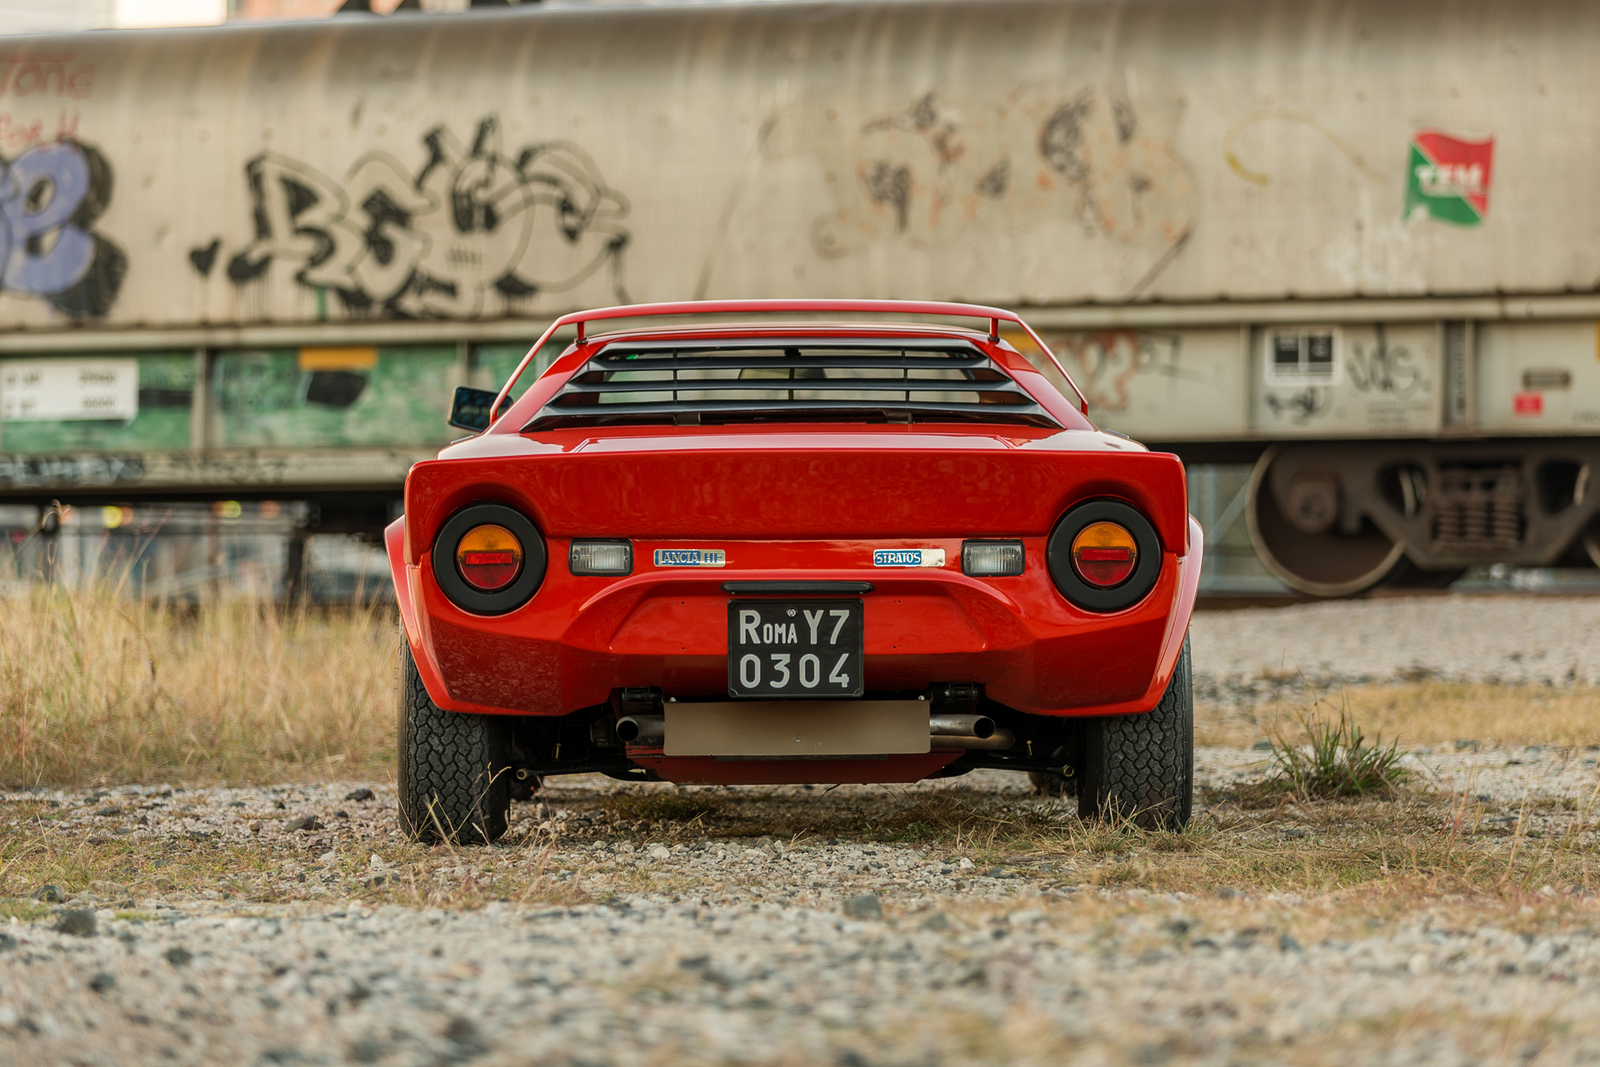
(764, 933)
(756, 949)
(1255, 654)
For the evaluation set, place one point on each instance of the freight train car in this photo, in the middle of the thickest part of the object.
(1351, 242)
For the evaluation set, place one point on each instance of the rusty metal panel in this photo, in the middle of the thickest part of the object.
(320, 397)
(1346, 381)
(1019, 152)
(1539, 378)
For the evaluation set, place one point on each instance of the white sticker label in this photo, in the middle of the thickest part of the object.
(908, 557)
(1307, 356)
(36, 390)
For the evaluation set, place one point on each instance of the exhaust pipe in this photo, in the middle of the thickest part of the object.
(642, 729)
(968, 731)
(978, 726)
(997, 740)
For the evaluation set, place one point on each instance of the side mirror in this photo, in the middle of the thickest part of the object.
(470, 409)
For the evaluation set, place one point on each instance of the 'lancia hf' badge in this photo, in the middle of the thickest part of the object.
(691, 557)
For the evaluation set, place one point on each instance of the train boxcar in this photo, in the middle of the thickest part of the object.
(1349, 241)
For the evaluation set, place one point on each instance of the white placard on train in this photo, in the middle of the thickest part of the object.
(34, 390)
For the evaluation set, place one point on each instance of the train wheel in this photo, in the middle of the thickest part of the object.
(1300, 542)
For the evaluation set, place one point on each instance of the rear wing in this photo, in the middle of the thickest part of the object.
(915, 308)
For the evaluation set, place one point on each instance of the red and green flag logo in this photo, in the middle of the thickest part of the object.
(1448, 178)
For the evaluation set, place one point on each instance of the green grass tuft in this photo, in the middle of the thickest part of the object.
(1336, 760)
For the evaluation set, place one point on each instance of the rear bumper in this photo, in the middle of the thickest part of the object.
(579, 638)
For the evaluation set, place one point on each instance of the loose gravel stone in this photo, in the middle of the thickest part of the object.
(78, 922)
(864, 906)
(1257, 654)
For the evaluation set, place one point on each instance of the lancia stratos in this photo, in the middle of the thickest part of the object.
(761, 542)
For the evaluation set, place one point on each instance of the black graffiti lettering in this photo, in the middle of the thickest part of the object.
(203, 258)
(993, 184)
(1387, 369)
(472, 221)
(889, 185)
(1300, 407)
(50, 472)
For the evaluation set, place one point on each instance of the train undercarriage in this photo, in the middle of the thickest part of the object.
(1337, 519)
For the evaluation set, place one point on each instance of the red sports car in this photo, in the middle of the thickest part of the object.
(864, 543)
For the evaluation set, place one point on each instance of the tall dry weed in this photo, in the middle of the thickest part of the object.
(96, 687)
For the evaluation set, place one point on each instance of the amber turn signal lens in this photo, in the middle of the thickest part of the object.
(489, 557)
(1104, 554)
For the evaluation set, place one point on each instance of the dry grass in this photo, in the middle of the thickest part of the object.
(35, 852)
(97, 688)
(1427, 713)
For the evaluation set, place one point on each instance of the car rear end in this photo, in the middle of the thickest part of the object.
(910, 558)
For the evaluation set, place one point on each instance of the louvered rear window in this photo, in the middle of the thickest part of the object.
(868, 380)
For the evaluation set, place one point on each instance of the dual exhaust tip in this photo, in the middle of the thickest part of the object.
(944, 731)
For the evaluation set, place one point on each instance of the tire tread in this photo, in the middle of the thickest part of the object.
(1141, 767)
(453, 768)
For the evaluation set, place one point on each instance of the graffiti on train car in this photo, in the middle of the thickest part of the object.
(1105, 364)
(939, 172)
(471, 222)
(55, 75)
(1300, 407)
(1386, 369)
(50, 198)
(59, 472)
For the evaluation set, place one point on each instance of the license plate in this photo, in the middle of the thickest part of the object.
(794, 648)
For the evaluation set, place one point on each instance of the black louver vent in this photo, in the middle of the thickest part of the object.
(691, 383)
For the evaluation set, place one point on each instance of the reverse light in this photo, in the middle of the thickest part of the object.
(489, 557)
(991, 559)
(600, 557)
(1104, 554)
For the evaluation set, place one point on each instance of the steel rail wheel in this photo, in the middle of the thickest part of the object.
(1325, 563)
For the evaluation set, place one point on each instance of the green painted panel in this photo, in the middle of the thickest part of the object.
(288, 398)
(166, 393)
(493, 364)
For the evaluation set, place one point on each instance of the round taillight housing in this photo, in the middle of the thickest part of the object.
(489, 557)
(1104, 554)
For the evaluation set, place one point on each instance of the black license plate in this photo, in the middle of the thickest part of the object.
(794, 648)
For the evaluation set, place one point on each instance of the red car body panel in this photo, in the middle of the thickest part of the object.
(796, 501)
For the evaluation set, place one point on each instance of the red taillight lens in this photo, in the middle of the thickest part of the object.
(489, 557)
(1104, 554)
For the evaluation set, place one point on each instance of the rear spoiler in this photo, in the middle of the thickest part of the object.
(928, 309)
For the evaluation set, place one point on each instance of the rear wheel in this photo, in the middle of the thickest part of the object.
(1141, 767)
(454, 767)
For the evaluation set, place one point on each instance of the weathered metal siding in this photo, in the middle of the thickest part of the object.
(1023, 153)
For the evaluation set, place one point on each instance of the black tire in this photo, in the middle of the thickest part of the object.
(1141, 767)
(454, 767)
